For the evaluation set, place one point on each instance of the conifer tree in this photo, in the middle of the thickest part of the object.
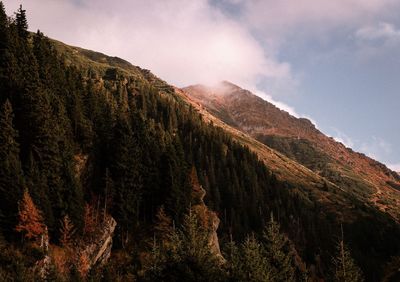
(30, 219)
(5, 55)
(10, 168)
(345, 268)
(194, 249)
(188, 256)
(21, 22)
(36, 180)
(45, 140)
(278, 252)
(126, 171)
(3, 29)
(255, 265)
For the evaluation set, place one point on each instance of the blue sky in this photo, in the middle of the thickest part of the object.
(335, 62)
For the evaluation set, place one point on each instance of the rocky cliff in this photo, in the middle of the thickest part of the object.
(99, 250)
(96, 252)
(208, 218)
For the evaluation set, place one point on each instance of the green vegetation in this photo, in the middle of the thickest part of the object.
(87, 136)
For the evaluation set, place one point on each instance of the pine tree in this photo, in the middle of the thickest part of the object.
(255, 266)
(126, 171)
(10, 169)
(194, 249)
(30, 219)
(278, 252)
(5, 55)
(188, 256)
(345, 269)
(3, 29)
(36, 180)
(21, 22)
(44, 138)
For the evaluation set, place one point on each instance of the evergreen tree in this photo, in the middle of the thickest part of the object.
(3, 29)
(21, 23)
(187, 257)
(126, 171)
(278, 251)
(345, 269)
(44, 134)
(10, 169)
(36, 181)
(255, 266)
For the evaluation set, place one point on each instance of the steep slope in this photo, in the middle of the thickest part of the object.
(298, 139)
(84, 135)
(308, 200)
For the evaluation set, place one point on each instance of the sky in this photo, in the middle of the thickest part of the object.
(334, 62)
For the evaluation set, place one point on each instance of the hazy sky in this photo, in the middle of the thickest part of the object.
(336, 62)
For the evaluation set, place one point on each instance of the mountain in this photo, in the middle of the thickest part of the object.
(107, 172)
(300, 140)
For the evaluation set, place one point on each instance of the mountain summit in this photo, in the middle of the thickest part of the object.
(300, 140)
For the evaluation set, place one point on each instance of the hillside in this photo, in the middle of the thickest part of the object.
(298, 139)
(107, 172)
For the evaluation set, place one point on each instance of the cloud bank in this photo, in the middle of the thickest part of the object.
(310, 16)
(383, 31)
(184, 42)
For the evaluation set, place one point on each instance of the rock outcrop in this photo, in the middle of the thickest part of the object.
(86, 254)
(208, 218)
(98, 252)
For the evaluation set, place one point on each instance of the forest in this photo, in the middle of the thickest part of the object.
(82, 145)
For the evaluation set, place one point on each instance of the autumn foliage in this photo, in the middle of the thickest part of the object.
(67, 231)
(89, 220)
(30, 219)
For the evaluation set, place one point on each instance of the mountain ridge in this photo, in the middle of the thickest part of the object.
(274, 127)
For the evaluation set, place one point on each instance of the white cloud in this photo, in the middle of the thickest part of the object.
(184, 42)
(312, 15)
(383, 30)
(375, 41)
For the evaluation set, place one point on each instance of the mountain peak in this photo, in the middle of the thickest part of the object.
(221, 88)
(297, 138)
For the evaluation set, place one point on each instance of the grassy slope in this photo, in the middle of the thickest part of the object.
(363, 178)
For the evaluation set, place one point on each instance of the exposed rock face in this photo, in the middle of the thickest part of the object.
(208, 218)
(99, 251)
(211, 220)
